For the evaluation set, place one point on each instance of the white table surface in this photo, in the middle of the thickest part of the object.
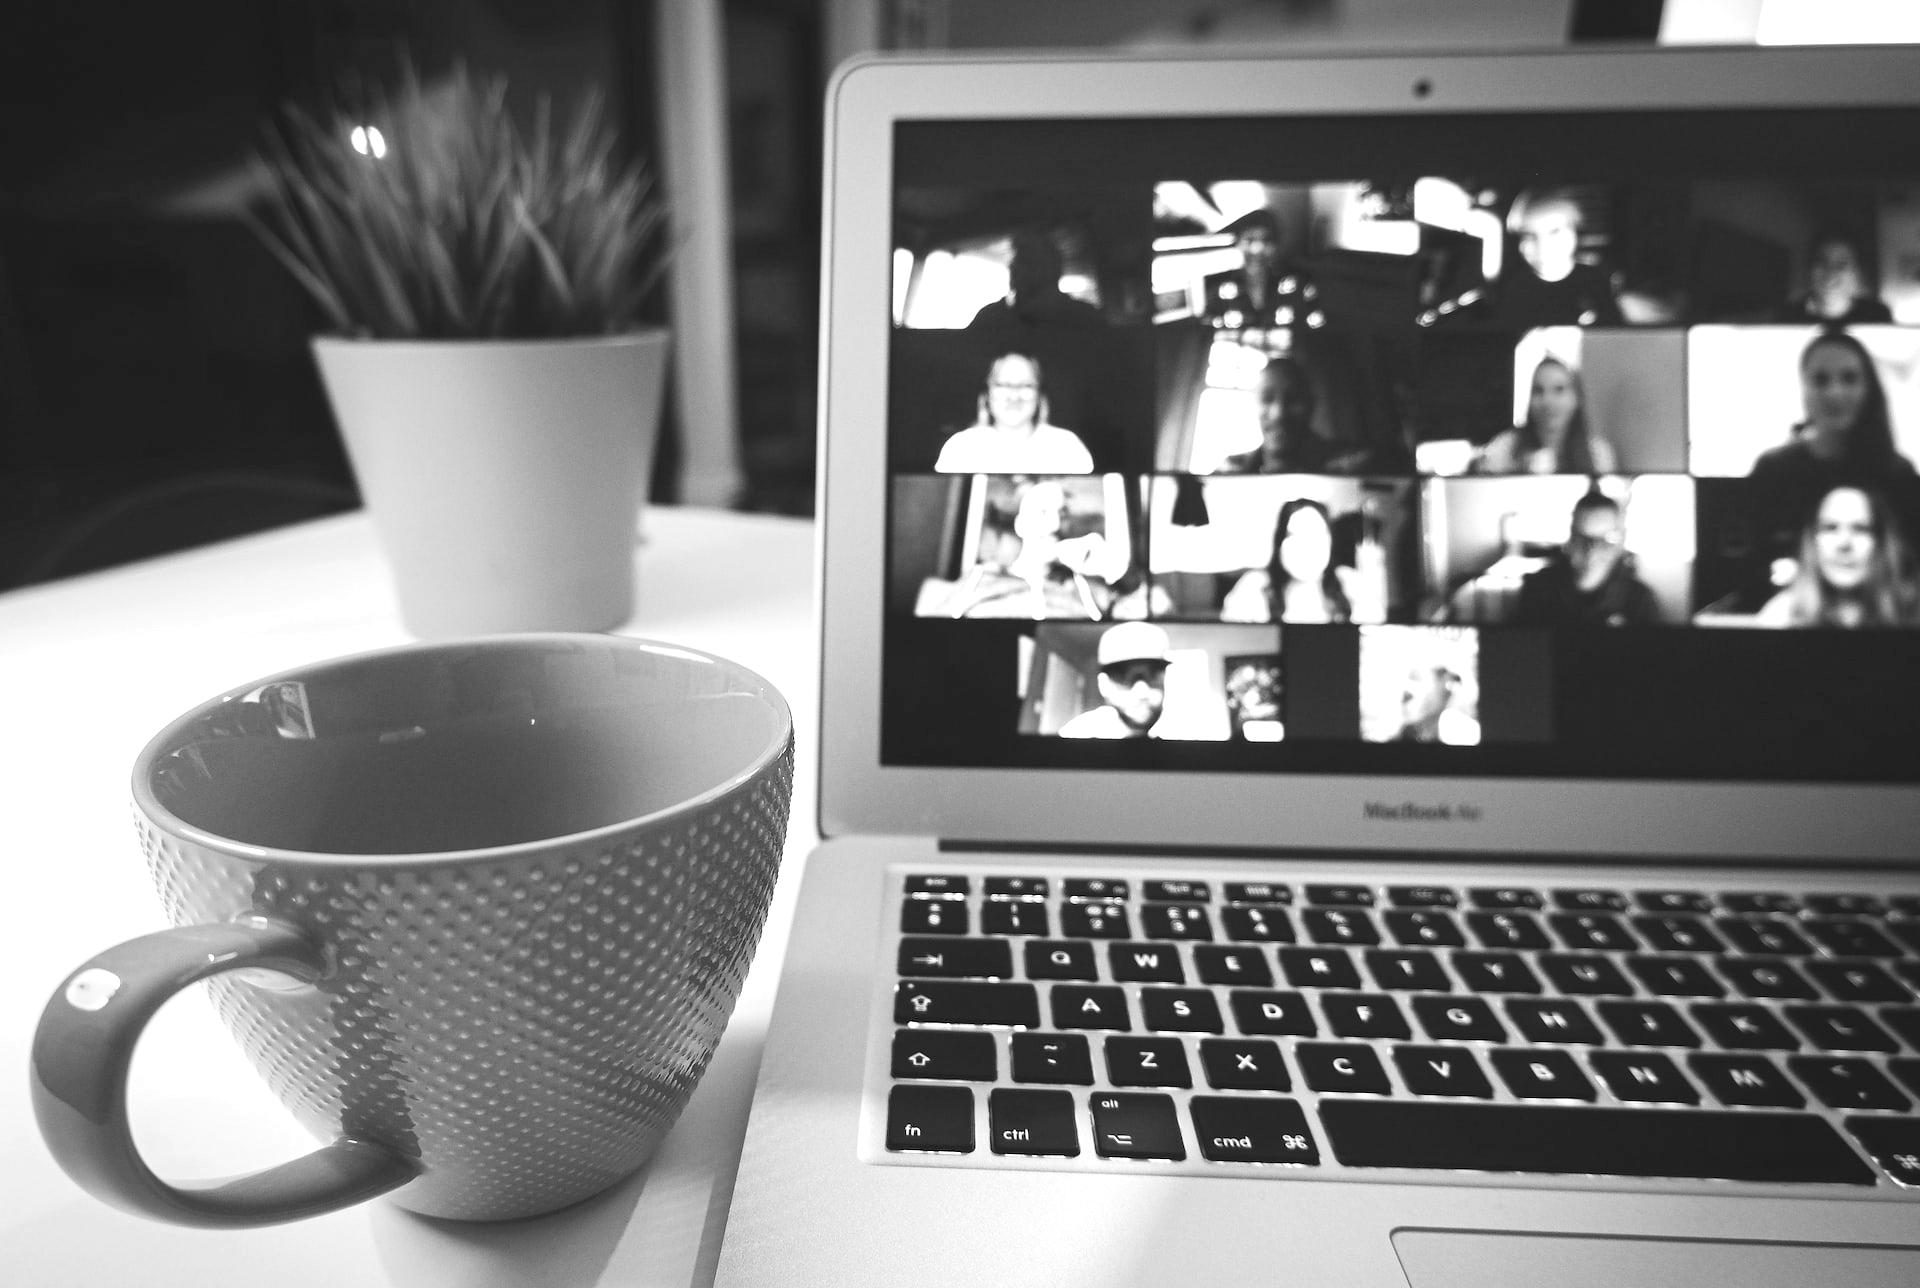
(89, 669)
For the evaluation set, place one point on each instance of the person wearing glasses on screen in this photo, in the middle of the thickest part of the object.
(1555, 437)
(1592, 582)
(1551, 286)
(1855, 569)
(1132, 678)
(1837, 289)
(1010, 433)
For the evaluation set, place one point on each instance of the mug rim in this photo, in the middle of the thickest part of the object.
(778, 744)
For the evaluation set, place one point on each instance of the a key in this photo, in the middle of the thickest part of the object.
(1032, 1122)
(1243, 1064)
(1441, 1071)
(1239, 1129)
(1081, 1006)
(930, 1120)
(942, 1055)
(1135, 1125)
(1061, 1058)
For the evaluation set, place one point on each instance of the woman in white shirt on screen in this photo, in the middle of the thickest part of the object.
(1010, 434)
(1301, 582)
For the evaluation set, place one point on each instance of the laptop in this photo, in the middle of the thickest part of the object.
(1370, 664)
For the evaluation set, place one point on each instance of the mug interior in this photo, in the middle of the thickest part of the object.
(462, 746)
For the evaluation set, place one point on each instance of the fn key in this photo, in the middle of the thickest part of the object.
(930, 1120)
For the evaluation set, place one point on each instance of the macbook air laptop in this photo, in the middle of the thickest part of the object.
(1371, 678)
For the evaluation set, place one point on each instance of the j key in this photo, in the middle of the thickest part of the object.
(1592, 930)
(938, 887)
(1060, 1058)
(1542, 1075)
(1458, 1019)
(1265, 1011)
(1743, 1028)
(1766, 977)
(1894, 1144)
(936, 1120)
(1341, 1066)
(1647, 1024)
(1144, 963)
(1009, 917)
(1857, 982)
(1257, 925)
(1059, 959)
(1179, 1010)
(1673, 901)
(1552, 1020)
(1503, 897)
(1093, 889)
(1904, 1020)
(1422, 897)
(1746, 1080)
(1840, 1028)
(1844, 1083)
(1585, 975)
(930, 1001)
(1765, 901)
(934, 1053)
(956, 958)
(1845, 938)
(1231, 966)
(1590, 900)
(1147, 1062)
(1363, 1015)
(1675, 977)
(1646, 1077)
(1496, 973)
(1424, 929)
(1746, 1145)
(1677, 934)
(1078, 1006)
(1340, 896)
(1506, 930)
(1441, 1071)
(1406, 970)
(1032, 1122)
(1235, 1129)
(1175, 921)
(933, 917)
(1318, 968)
(1241, 1064)
(1339, 926)
(1258, 892)
(1176, 891)
(1136, 1125)
(1095, 921)
(1015, 887)
(1844, 905)
(1763, 936)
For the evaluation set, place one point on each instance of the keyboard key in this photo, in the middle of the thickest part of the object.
(1406, 970)
(1013, 917)
(1766, 977)
(1507, 930)
(933, 917)
(1590, 900)
(1135, 1125)
(1339, 926)
(1146, 963)
(1060, 1058)
(1894, 1144)
(1078, 1006)
(938, 887)
(1231, 966)
(937, 1054)
(1093, 889)
(1496, 973)
(1179, 1010)
(1458, 1019)
(1675, 977)
(1763, 937)
(1643, 1076)
(1504, 897)
(1341, 1066)
(1908, 1071)
(1762, 901)
(1905, 905)
(1095, 921)
(1258, 892)
(1677, 934)
(1176, 891)
(1236, 1129)
(1552, 1020)
(1743, 1028)
(956, 958)
(1441, 1071)
(928, 1001)
(1673, 901)
(1844, 938)
(1592, 930)
(1243, 1064)
(1844, 905)
(1647, 1024)
(1840, 1028)
(1907, 932)
(1363, 1015)
(1742, 1145)
(1032, 1122)
(1257, 925)
(1424, 928)
(1318, 968)
(1175, 921)
(1422, 897)
(1015, 888)
(1746, 1080)
(1264, 1011)
(1845, 1083)
(930, 1120)
(1340, 896)
(1584, 975)
(1147, 1062)
(1904, 1020)
(1857, 982)
(1542, 1075)
(1059, 959)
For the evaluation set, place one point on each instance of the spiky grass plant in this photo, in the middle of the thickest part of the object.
(463, 226)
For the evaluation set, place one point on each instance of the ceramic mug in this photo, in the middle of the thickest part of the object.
(478, 912)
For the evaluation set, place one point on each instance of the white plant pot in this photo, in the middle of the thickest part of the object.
(504, 477)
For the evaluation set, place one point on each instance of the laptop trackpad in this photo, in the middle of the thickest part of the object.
(1466, 1259)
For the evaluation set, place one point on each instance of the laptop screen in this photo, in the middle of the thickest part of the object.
(1562, 446)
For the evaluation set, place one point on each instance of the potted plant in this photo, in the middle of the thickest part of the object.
(496, 391)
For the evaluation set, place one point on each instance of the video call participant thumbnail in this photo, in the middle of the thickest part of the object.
(1592, 582)
(1132, 679)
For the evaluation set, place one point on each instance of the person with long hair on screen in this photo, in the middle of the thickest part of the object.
(1555, 437)
(1301, 582)
(1838, 291)
(1855, 569)
(1010, 433)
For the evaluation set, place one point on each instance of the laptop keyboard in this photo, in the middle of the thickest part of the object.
(1752, 1035)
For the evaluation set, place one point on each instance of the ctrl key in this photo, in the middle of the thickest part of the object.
(930, 1120)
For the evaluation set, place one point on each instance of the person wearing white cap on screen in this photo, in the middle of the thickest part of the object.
(1133, 684)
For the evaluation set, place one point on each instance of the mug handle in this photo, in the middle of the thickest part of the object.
(84, 1047)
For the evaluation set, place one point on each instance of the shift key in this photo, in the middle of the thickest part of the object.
(942, 1001)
